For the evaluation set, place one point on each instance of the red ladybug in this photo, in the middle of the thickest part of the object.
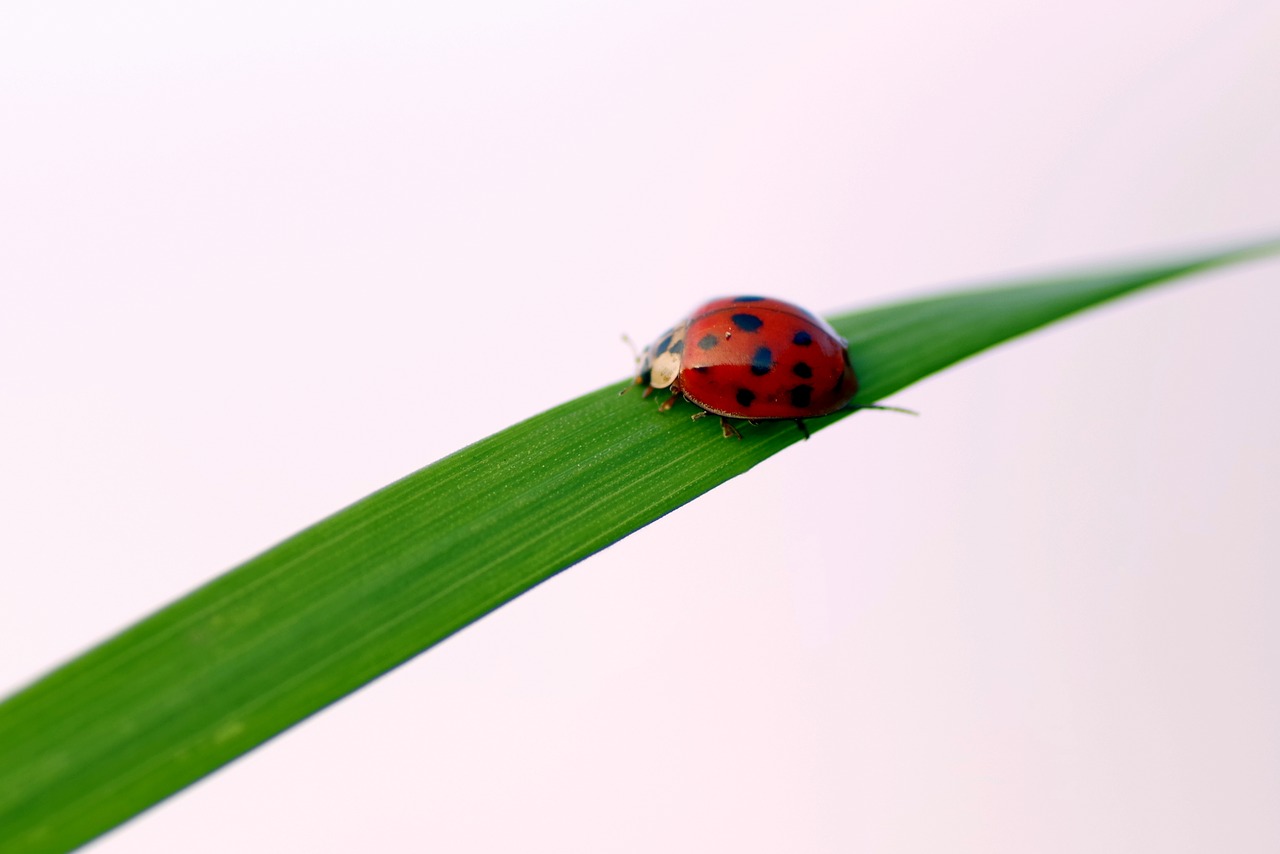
(752, 358)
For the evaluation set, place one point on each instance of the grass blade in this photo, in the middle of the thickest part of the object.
(218, 672)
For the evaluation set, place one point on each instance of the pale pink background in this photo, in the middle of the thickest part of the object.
(248, 251)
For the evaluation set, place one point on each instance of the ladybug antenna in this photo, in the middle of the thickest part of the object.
(634, 352)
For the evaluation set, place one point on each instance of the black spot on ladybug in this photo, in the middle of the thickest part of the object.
(708, 341)
(802, 370)
(745, 396)
(800, 396)
(747, 322)
(802, 339)
(678, 347)
(666, 343)
(747, 299)
(762, 361)
(702, 369)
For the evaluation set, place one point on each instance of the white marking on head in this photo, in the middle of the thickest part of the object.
(664, 370)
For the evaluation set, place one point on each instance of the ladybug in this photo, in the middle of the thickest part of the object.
(753, 358)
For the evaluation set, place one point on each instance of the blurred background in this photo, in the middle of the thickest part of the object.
(245, 249)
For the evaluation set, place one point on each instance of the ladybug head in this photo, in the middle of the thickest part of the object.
(661, 361)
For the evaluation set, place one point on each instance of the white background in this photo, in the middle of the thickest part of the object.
(259, 259)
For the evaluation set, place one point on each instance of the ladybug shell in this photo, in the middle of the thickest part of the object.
(754, 357)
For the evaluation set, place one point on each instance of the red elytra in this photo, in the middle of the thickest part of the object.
(754, 358)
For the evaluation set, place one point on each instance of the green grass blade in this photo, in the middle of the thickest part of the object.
(255, 651)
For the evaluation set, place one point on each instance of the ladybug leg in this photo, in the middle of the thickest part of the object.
(648, 391)
(730, 432)
(803, 429)
(670, 401)
(701, 413)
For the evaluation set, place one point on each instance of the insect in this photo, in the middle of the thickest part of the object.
(752, 358)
